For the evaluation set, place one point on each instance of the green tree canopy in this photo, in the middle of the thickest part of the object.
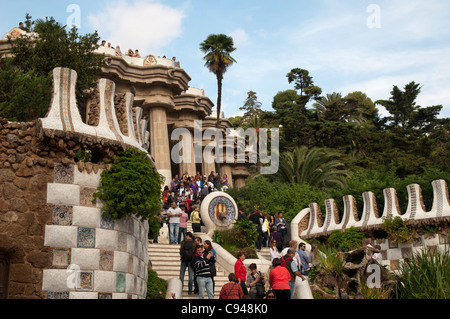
(52, 45)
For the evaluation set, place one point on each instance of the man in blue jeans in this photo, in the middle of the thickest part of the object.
(186, 254)
(203, 273)
(174, 214)
(304, 259)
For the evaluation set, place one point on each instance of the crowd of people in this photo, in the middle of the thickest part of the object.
(135, 53)
(200, 259)
(182, 201)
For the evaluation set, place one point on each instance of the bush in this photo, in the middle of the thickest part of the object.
(397, 230)
(130, 187)
(425, 275)
(348, 240)
(272, 197)
(156, 287)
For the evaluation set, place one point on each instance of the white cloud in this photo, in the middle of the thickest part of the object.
(147, 26)
(240, 38)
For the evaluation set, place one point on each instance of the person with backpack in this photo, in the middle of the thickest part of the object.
(186, 255)
(290, 263)
(255, 283)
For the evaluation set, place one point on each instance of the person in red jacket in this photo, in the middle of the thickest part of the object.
(279, 280)
(241, 271)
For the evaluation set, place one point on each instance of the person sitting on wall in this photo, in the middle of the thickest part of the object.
(21, 27)
(136, 54)
(103, 43)
(130, 53)
(118, 52)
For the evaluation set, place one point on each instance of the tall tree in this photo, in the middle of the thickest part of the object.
(406, 114)
(304, 83)
(252, 106)
(218, 49)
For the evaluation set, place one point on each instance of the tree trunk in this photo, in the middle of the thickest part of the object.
(219, 109)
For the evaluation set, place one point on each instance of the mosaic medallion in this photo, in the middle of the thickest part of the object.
(86, 237)
(221, 211)
(63, 174)
(60, 257)
(62, 215)
(85, 280)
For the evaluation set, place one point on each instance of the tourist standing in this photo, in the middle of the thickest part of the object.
(281, 226)
(186, 255)
(304, 259)
(174, 214)
(212, 262)
(265, 228)
(279, 280)
(293, 269)
(231, 290)
(255, 281)
(196, 220)
(183, 224)
(241, 271)
(273, 250)
(203, 273)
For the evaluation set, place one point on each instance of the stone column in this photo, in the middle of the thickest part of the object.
(188, 145)
(207, 168)
(239, 182)
(159, 142)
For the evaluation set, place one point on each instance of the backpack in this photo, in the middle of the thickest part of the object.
(187, 250)
(283, 261)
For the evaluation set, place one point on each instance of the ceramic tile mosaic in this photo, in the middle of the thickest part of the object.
(122, 242)
(58, 295)
(392, 244)
(86, 237)
(85, 280)
(120, 282)
(62, 215)
(63, 174)
(106, 260)
(106, 222)
(61, 257)
(418, 242)
(104, 296)
(86, 196)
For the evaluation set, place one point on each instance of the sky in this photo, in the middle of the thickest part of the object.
(346, 45)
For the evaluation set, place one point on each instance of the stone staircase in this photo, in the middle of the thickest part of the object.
(264, 253)
(165, 260)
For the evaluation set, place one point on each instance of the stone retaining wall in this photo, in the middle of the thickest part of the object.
(92, 257)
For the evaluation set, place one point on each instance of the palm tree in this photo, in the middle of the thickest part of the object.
(316, 167)
(218, 49)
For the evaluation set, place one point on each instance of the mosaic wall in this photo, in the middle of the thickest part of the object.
(92, 256)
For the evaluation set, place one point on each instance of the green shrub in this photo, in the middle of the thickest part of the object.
(425, 275)
(272, 197)
(348, 240)
(156, 287)
(130, 187)
(397, 230)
